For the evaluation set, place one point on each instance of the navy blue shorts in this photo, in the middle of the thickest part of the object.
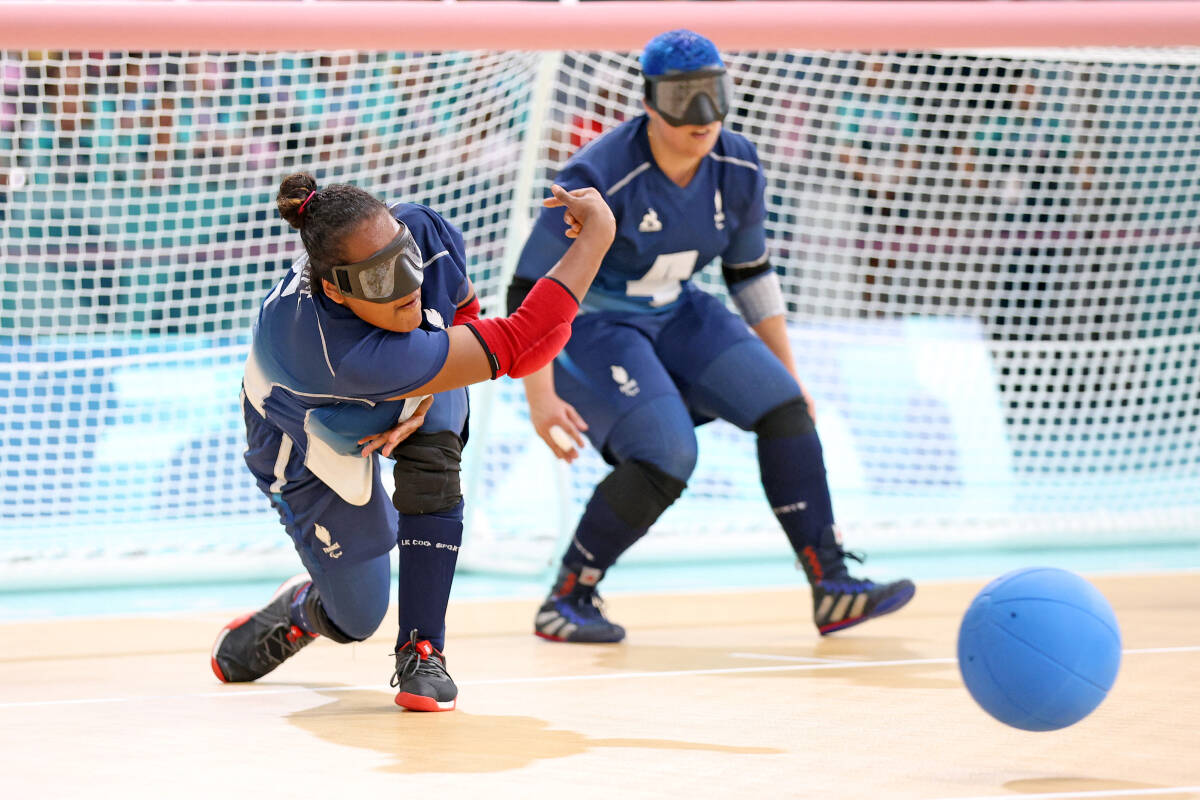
(327, 530)
(697, 352)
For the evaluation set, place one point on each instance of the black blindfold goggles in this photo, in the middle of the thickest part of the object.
(395, 271)
(690, 98)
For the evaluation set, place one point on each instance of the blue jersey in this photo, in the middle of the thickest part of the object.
(664, 232)
(321, 376)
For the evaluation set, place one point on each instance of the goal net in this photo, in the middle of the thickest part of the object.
(990, 261)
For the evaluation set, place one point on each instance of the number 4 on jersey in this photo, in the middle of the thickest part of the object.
(664, 280)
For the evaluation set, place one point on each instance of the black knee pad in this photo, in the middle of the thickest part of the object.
(790, 419)
(427, 473)
(639, 492)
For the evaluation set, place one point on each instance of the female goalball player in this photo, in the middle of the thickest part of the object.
(652, 355)
(376, 328)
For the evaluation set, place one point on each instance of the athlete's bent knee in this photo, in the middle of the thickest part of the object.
(359, 627)
(427, 473)
(790, 419)
(356, 621)
(678, 460)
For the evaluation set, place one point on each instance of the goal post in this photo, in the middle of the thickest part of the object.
(991, 259)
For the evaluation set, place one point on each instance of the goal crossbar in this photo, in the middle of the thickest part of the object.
(622, 25)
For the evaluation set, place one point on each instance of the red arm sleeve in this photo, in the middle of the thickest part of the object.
(530, 338)
(467, 312)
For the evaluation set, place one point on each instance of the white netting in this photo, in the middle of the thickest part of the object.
(991, 260)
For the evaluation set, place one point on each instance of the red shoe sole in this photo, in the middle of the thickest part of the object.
(237, 623)
(240, 621)
(417, 702)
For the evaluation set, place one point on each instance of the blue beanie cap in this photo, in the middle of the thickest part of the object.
(679, 51)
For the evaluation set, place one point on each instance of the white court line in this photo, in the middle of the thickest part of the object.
(1185, 649)
(861, 662)
(673, 673)
(1099, 793)
(808, 659)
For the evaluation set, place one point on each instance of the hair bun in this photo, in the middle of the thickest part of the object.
(294, 192)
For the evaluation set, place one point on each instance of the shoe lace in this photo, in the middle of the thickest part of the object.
(839, 578)
(410, 662)
(855, 556)
(588, 602)
(281, 642)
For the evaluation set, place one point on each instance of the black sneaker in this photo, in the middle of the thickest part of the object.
(256, 643)
(841, 600)
(421, 677)
(574, 612)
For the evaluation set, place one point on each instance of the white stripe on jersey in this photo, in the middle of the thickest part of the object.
(619, 185)
(291, 284)
(257, 386)
(324, 347)
(435, 258)
(741, 162)
(285, 452)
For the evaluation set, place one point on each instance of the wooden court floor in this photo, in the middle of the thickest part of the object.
(728, 695)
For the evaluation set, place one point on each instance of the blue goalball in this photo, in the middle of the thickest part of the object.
(1039, 648)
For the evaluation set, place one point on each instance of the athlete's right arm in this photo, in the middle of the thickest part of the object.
(532, 335)
(547, 410)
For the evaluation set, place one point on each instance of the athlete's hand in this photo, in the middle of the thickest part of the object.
(586, 209)
(551, 411)
(808, 400)
(386, 441)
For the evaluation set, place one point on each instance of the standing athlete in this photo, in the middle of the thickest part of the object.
(651, 355)
(376, 328)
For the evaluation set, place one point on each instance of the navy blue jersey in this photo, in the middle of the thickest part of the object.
(322, 376)
(664, 232)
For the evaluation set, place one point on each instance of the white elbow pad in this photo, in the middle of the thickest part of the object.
(759, 299)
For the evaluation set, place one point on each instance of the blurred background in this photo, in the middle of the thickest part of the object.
(991, 261)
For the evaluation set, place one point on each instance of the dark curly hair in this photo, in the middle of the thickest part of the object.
(328, 217)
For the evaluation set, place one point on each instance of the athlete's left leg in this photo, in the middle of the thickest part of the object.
(343, 595)
(636, 418)
(739, 379)
(429, 498)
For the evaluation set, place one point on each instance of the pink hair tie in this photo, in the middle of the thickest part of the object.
(311, 195)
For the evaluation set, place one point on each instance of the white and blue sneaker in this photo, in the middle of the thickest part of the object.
(841, 600)
(574, 612)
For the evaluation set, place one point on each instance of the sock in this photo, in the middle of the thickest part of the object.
(298, 612)
(793, 476)
(428, 552)
(625, 504)
(601, 536)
